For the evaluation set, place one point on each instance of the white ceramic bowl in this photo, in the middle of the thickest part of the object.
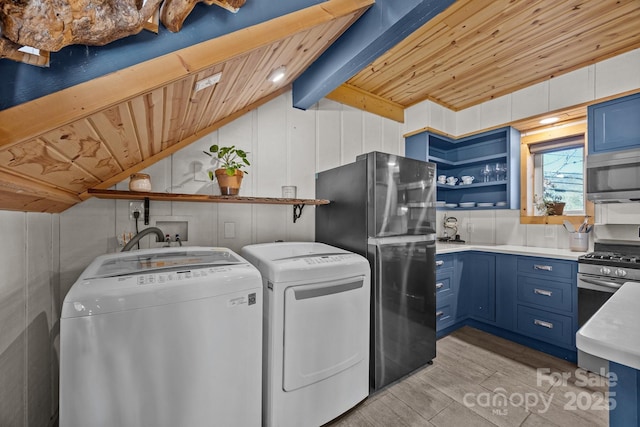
(467, 204)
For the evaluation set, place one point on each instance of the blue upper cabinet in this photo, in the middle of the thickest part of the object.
(614, 125)
(481, 156)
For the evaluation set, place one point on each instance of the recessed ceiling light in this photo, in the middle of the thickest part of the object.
(278, 74)
(549, 120)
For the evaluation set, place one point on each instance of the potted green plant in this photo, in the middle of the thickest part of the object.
(231, 161)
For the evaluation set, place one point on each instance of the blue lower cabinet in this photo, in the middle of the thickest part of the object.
(545, 293)
(478, 285)
(447, 291)
(444, 284)
(546, 326)
(530, 300)
(624, 396)
(506, 291)
(545, 267)
(445, 312)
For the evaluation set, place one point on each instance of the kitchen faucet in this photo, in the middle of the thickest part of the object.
(135, 239)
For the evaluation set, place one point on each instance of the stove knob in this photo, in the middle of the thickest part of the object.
(605, 271)
(620, 272)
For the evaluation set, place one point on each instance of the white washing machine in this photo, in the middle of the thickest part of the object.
(316, 320)
(163, 337)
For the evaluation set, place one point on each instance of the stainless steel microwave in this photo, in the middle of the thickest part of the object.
(614, 177)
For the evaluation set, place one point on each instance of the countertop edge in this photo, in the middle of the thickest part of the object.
(535, 251)
(611, 333)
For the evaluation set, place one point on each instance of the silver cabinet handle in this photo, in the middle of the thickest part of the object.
(542, 267)
(439, 263)
(542, 292)
(439, 313)
(439, 285)
(548, 325)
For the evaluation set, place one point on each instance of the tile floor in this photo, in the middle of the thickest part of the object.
(478, 379)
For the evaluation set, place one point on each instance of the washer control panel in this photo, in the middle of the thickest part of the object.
(175, 276)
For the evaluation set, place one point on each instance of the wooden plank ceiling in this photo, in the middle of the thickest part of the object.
(52, 150)
(476, 51)
(93, 135)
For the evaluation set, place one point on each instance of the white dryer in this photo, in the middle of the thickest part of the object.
(163, 337)
(316, 340)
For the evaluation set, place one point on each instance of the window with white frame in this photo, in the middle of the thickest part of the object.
(559, 173)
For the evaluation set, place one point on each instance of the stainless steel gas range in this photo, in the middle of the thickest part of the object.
(600, 274)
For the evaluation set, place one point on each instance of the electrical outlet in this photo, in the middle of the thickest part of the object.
(137, 206)
(549, 231)
(229, 230)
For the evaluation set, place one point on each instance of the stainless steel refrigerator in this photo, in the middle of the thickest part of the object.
(382, 206)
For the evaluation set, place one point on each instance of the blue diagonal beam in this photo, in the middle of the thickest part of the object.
(383, 26)
(77, 64)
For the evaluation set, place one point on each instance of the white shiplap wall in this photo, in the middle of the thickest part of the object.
(286, 147)
(29, 313)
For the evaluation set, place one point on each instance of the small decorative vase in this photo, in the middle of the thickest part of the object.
(229, 185)
(140, 182)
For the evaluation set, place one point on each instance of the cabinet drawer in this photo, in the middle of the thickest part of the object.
(443, 262)
(445, 315)
(444, 281)
(545, 293)
(545, 267)
(549, 327)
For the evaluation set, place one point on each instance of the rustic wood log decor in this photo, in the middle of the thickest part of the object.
(174, 12)
(53, 24)
(50, 25)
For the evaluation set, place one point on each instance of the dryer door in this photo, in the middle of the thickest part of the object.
(326, 330)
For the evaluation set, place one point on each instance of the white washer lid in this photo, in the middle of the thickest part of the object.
(152, 277)
(295, 261)
(125, 263)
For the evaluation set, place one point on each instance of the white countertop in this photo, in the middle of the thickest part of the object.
(566, 254)
(612, 333)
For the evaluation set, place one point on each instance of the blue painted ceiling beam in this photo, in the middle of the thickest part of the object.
(383, 26)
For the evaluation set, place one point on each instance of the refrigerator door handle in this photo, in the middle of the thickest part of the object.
(399, 240)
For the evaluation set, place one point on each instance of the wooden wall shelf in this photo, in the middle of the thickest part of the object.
(298, 204)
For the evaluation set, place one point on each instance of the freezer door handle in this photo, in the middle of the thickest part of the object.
(401, 240)
(314, 290)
